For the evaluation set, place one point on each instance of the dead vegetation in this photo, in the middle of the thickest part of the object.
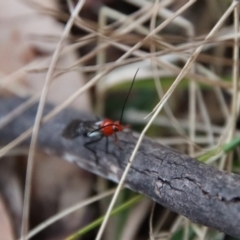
(71, 53)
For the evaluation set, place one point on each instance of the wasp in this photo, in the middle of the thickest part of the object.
(97, 129)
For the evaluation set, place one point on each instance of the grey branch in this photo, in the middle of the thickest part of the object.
(198, 191)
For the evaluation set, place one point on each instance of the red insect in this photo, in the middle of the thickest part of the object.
(93, 129)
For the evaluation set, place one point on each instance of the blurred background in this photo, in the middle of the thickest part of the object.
(200, 117)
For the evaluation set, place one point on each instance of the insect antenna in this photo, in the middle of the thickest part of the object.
(124, 104)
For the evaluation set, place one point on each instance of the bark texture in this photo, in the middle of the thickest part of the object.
(198, 191)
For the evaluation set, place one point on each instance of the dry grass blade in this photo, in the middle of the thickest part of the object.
(27, 192)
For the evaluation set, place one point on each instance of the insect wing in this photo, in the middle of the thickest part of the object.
(70, 131)
(77, 128)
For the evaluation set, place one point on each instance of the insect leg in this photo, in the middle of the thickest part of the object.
(116, 141)
(106, 145)
(86, 145)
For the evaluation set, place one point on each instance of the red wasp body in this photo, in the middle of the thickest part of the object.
(108, 127)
